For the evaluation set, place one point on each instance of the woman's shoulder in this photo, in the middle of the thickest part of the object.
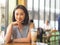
(31, 25)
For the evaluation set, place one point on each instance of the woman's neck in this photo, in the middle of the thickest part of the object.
(20, 26)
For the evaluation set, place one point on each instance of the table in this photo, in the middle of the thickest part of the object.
(37, 43)
(17, 43)
(20, 44)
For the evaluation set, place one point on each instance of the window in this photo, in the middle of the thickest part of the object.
(42, 10)
(2, 14)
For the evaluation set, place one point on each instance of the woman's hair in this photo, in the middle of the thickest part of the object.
(26, 19)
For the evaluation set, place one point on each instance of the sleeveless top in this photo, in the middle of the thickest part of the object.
(17, 34)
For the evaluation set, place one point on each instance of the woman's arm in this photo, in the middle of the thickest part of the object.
(27, 39)
(8, 34)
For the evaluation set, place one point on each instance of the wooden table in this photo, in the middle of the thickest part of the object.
(19, 44)
(37, 43)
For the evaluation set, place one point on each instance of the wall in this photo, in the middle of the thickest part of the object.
(12, 5)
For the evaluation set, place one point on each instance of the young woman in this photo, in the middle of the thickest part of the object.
(19, 30)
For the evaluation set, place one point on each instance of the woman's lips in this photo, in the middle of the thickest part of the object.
(19, 20)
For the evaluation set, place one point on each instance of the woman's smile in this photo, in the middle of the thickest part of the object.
(19, 20)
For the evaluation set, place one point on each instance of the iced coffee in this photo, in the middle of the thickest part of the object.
(33, 35)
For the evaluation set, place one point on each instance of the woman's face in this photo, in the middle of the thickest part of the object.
(19, 15)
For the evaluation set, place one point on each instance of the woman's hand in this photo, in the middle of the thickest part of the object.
(14, 23)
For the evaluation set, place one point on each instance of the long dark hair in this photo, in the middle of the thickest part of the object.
(26, 20)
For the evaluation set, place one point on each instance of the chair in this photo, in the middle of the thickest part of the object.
(40, 34)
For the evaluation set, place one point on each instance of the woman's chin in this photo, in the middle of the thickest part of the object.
(19, 21)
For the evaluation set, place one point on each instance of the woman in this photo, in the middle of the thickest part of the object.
(18, 30)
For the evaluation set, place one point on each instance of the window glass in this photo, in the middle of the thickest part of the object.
(2, 14)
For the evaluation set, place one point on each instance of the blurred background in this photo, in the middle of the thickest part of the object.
(39, 11)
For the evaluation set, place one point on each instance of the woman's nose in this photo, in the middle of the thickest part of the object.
(19, 16)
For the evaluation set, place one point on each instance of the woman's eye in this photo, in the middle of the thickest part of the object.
(21, 14)
(17, 14)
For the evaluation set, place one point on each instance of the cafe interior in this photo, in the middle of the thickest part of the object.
(44, 15)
